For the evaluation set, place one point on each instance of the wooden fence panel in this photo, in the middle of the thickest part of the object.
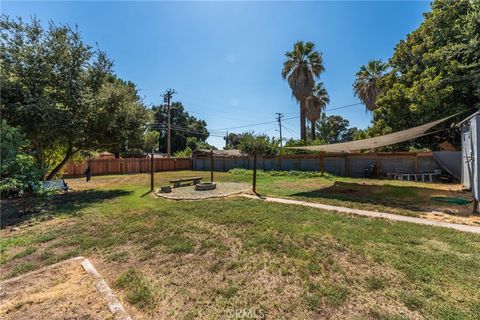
(125, 166)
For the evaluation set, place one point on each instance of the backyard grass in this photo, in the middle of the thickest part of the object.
(405, 198)
(234, 257)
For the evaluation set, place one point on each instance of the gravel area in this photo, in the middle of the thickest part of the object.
(224, 189)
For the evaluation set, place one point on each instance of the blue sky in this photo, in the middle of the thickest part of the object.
(224, 58)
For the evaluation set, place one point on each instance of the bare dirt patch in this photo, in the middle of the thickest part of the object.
(64, 291)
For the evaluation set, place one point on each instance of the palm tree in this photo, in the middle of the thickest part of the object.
(303, 65)
(315, 103)
(366, 86)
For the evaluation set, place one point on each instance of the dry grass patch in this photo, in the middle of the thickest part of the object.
(211, 259)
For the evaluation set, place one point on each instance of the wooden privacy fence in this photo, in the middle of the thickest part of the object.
(126, 166)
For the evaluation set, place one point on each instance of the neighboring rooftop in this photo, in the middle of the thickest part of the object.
(218, 153)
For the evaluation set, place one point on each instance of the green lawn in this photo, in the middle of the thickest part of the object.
(217, 258)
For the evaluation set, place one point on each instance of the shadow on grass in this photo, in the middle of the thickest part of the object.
(402, 197)
(20, 210)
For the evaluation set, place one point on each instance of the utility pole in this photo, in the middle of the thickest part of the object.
(226, 141)
(279, 119)
(152, 171)
(254, 182)
(167, 97)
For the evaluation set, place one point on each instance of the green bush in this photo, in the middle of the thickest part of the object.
(185, 153)
(272, 173)
(19, 172)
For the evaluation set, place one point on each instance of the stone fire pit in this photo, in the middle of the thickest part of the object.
(204, 186)
(217, 190)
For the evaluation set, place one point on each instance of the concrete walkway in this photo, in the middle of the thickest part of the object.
(373, 214)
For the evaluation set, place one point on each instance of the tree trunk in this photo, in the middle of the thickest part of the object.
(57, 169)
(313, 130)
(303, 125)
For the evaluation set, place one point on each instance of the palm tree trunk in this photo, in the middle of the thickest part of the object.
(303, 125)
(313, 130)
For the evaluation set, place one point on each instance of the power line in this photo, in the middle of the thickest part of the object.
(246, 126)
(289, 130)
(178, 128)
(162, 126)
(343, 107)
(285, 119)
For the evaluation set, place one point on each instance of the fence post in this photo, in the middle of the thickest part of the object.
(415, 163)
(347, 167)
(254, 187)
(321, 164)
(212, 165)
(379, 159)
(152, 162)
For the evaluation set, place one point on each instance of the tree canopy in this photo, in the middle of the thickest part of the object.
(63, 94)
(183, 126)
(335, 129)
(260, 144)
(435, 72)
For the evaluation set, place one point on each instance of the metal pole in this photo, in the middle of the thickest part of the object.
(255, 172)
(152, 172)
(212, 165)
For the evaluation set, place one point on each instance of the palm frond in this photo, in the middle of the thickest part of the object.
(366, 86)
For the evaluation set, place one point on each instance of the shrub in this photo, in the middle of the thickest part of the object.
(291, 173)
(185, 153)
(19, 172)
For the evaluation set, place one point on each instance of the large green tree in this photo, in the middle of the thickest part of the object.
(303, 65)
(335, 129)
(261, 144)
(63, 94)
(183, 126)
(435, 72)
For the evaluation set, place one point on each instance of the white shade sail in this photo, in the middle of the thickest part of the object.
(375, 142)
